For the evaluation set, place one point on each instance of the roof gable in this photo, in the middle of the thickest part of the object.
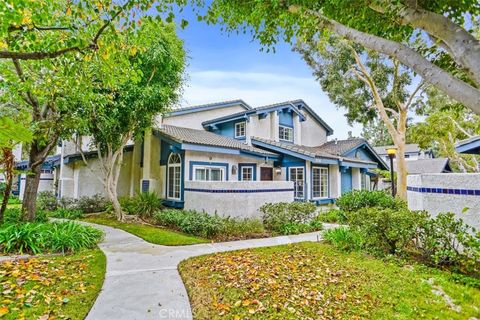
(302, 105)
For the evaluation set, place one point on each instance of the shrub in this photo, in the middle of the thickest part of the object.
(146, 203)
(332, 216)
(297, 228)
(386, 229)
(95, 203)
(66, 214)
(242, 228)
(358, 199)
(46, 200)
(67, 203)
(128, 204)
(277, 215)
(14, 215)
(47, 237)
(447, 241)
(191, 222)
(344, 239)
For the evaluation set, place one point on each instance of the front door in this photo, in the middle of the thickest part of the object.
(297, 175)
(266, 174)
(346, 180)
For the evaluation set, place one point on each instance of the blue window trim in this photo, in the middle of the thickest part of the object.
(293, 133)
(182, 180)
(311, 181)
(235, 130)
(205, 163)
(242, 165)
(299, 165)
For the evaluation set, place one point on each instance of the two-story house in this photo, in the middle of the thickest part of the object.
(222, 151)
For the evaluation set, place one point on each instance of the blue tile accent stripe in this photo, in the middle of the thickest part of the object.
(237, 190)
(465, 192)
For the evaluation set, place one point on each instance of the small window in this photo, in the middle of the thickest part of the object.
(285, 133)
(240, 130)
(247, 174)
(209, 174)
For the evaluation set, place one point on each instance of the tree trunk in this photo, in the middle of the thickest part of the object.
(401, 172)
(36, 159)
(8, 162)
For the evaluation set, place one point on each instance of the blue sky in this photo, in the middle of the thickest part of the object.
(231, 66)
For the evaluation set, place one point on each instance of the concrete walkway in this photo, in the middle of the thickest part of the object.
(142, 280)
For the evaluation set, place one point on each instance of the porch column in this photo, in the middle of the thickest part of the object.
(146, 170)
(356, 181)
(135, 167)
(308, 180)
(297, 129)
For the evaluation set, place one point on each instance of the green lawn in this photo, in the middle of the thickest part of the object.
(63, 287)
(316, 281)
(148, 233)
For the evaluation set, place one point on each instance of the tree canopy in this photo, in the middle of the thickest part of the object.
(432, 37)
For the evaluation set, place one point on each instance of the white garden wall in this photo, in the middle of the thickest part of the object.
(236, 199)
(446, 192)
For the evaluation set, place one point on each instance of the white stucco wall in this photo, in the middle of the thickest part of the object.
(334, 181)
(313, 134)
(194, 120)
(235, 204)
(260, 127)
(435, 203)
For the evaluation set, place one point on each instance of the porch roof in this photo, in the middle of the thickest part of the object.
(314, 154)
(470, 146)
(188, 136)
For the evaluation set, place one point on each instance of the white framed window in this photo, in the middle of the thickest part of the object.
(320, 182)
(285, 133)
(240, 130)
(174, 176)
(246, 174)
(297, 174)
(203, 173)
(364, 181)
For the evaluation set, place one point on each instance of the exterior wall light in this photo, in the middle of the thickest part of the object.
(234, 169)
(278, 170)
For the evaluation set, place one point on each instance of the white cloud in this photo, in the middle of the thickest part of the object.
(259, 88)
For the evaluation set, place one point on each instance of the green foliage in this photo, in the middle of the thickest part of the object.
(66, 214)
(386, 230)
(358, 199)
(46, 200)
(297, 228)
(344, 239)
(128, 204)
(332, 216)
(47, 237)
(447, 241)
(285, 216)
(209, 226)
(14, 215)
(191, 222)
(95, 203)
(146, 203)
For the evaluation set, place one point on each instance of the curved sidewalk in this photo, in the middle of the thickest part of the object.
(142, 280)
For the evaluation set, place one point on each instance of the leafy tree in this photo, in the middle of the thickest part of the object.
(432, 38)
(56, 55)
(160, 62)
(369, 86)
(446, 123)
(376, 133)
(13, 131)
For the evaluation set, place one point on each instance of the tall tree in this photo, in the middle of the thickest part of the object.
(54, 55)
(368, 86)
(13, 131)
(433, 38)
(376, 133)
(159, 59)
(446, 123)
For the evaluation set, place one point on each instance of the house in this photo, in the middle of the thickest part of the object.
(412, 152)
(469, 146)
(228, 157)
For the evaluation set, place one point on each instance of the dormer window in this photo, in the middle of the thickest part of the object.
(285, 133)
(240, 130)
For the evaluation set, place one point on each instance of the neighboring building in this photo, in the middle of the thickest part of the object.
(469, 146)
(412, 152)
(229, 155)
(433, 165)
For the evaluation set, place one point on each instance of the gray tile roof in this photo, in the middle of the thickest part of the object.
(314, 152)
(339, 147)
(202, 137)
(420, 166)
